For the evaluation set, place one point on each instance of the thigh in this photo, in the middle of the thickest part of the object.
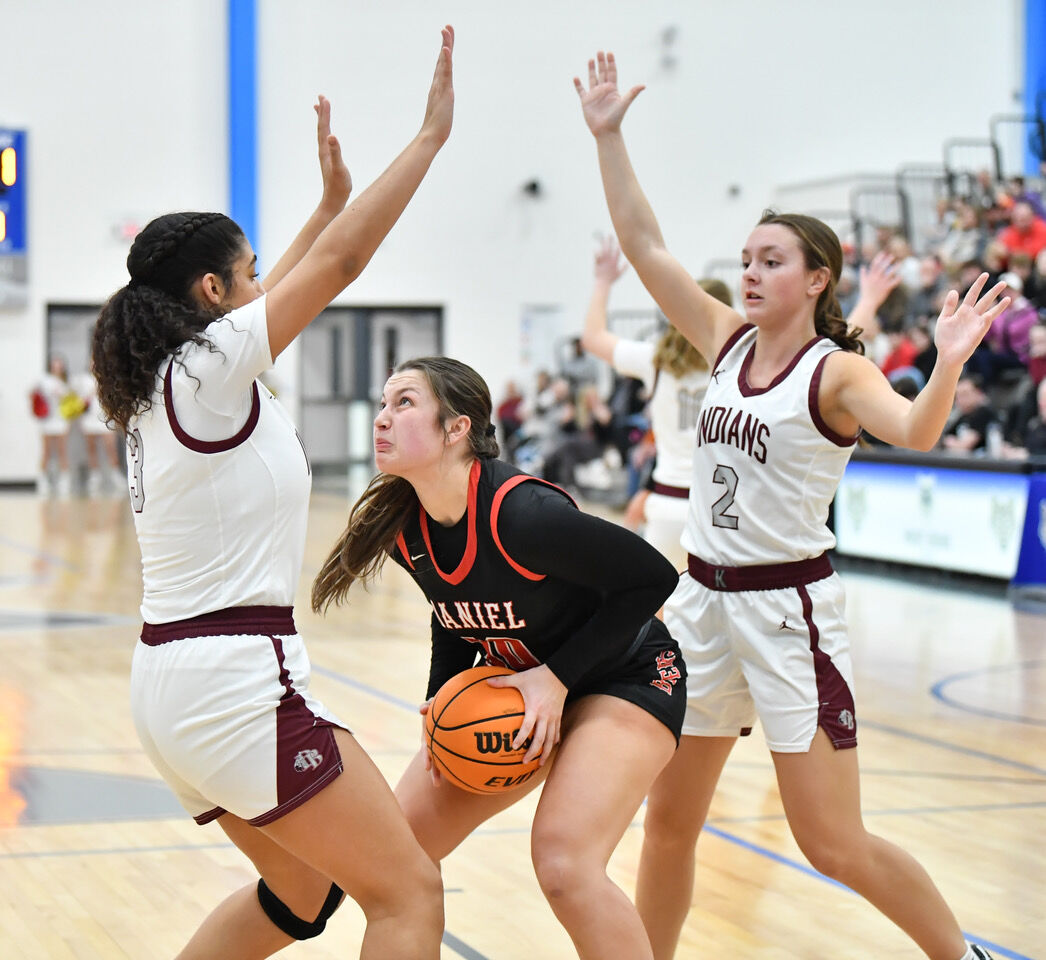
(352, 830)
(679, 798)
(820, 792)
(610, 753)
(441, 814)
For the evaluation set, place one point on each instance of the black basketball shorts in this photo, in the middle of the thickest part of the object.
(652, 675)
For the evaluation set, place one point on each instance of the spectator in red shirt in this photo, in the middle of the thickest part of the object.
(1026, 232)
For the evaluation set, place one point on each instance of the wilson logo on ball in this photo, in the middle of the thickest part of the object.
(494, 742)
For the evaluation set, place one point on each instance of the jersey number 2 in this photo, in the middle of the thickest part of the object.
(720, 517)
(137, 452)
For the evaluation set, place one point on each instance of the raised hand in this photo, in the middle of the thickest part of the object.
(439, 111)
(337, 182)
(609, 264)
(879, 279)
(602, 103)
(961, 326)
(543, 698)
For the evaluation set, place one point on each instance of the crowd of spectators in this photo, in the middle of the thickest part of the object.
(1000, 406)
(567, 430)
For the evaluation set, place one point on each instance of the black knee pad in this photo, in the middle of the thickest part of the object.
(291, 924)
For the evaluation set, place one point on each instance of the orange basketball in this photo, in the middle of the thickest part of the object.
(470, 728)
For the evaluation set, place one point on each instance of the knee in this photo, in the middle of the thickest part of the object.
(671, 825)
(561, 870)
(830, 857)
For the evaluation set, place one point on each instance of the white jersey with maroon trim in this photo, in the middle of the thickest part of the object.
(219, 479)
(674, 407)
(766, 465)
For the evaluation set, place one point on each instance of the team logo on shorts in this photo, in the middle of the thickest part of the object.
(668, 673)
(846, 719)
(307, 760)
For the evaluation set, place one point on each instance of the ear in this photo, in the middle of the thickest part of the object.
(209, 290)
(818, 281)
(458, 429)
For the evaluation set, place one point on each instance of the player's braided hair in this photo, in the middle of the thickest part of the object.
(383, 509)
(821, 248)
(155, 313)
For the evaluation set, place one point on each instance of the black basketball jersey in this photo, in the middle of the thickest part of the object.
(489, 602)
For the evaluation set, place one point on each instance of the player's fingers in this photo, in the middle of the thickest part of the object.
(996, 310)
(974, 292)
(537, 742)
(986, 301)
(579, 87)
(611, 69)
(592, 78)
(950, 303)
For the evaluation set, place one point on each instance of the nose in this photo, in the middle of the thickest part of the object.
(381, 419)
(749, 272)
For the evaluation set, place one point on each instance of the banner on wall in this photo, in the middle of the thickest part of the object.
(14, 274)
(968, 521)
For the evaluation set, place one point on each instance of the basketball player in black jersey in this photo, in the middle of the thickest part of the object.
(519, 577)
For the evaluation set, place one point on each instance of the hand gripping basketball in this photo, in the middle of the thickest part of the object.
(469, 730)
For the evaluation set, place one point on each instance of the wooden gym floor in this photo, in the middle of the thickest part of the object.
(98, 861)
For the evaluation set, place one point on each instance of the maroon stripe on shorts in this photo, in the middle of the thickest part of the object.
(307, 756)
(231, 622)
(764, 576)
(682, 493)
(836, 714)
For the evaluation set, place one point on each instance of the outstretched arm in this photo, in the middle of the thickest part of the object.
(702, 319)
(596, 338)
(346, 246)
(337, 185)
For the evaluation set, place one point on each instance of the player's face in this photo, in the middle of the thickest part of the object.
(776, 282)
(408, 437)
(246, 284)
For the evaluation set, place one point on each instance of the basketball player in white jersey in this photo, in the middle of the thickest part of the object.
(759, 614)
(103, 460)
(674, 376)
(219, 484)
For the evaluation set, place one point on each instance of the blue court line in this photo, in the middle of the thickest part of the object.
(37, 552)
(952, 747)
(811, 872)
(938, 691)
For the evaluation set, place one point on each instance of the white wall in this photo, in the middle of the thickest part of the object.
(125, 106)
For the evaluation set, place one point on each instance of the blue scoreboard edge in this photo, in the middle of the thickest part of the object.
(12, 199)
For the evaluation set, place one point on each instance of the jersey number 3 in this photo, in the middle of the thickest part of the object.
(137, 454)
(720, 517)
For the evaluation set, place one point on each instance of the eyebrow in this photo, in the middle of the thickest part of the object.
(399, 391)
(773, 247)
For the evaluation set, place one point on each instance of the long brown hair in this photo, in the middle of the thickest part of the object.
(677, 355)
(383, 509)
(821, 248)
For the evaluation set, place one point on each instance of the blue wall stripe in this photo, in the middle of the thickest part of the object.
(1034, 72)
(243, 118)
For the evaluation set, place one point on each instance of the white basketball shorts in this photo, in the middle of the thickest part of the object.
(781, 655)
(222, 707)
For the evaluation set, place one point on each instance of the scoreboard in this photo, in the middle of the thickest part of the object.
(13, 241)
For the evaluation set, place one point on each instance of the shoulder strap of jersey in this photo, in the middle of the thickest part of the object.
(495, 509)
